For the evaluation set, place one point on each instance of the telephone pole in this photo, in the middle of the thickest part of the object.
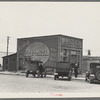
(7, 52)
(7, 44)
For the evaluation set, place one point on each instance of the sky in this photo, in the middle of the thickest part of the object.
(30, 19)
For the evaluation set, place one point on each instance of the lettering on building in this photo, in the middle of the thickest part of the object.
(71, 42)
(37, 51)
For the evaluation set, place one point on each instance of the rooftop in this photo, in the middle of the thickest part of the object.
(51, 36)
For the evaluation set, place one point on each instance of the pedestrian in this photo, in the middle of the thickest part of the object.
(76, 70)
(72, 66)
(41, 69)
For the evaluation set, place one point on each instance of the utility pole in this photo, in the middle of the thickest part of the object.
(7, 44)
(7, 52)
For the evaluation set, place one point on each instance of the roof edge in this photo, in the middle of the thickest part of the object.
(50, 36)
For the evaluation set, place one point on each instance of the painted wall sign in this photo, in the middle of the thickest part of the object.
(53, 54)
(38, 51)
(71, 42)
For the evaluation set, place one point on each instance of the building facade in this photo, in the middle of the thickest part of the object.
(2, 54)
(49, 49)
(87, 60)
(10, 62)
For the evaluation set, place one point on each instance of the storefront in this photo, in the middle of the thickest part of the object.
(71, 49)
(49, 49)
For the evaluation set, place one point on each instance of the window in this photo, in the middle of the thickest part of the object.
(97, 66)
(73, 53)
(66, 55)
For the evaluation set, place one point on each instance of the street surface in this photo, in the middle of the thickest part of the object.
(19, 84)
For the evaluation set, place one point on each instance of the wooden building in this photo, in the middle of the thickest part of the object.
(10, 62)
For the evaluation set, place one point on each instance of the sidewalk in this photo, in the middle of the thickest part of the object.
(12, 73)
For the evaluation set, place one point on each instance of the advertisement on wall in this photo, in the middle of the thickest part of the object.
(40, 51)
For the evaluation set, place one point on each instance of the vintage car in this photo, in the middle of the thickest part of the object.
(93, 74)
(63, 69)
(33, 68)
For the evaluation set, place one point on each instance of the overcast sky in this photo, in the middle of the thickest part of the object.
(30, 19)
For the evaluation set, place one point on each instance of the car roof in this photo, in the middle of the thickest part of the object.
(93, 65)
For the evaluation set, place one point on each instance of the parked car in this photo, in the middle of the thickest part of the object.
(63, 69)
(93, 74)
(33, 68)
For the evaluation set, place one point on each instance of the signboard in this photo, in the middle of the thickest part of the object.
(71, 42)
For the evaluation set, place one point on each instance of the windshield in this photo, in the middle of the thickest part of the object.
(98, 66)
(95, 65)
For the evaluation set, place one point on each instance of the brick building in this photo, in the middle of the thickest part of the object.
(49, 49)
(87, 60)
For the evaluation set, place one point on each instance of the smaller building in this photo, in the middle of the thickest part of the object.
(10, 62)
(87, 60)
(2, 54)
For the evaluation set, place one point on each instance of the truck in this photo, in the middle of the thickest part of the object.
(32, 67)
(63, 69)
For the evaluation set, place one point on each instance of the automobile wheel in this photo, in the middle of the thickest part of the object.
(27, 73)
(34, 75)
(55, 77)
(85, 79)
(69, 78)
(98, 75)
(38, 74)
(90, 81)
(45, 75)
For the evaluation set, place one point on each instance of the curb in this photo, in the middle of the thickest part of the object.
(23, 74)
(7, 73)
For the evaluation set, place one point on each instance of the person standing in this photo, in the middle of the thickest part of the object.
(76, 70)
(41, 69)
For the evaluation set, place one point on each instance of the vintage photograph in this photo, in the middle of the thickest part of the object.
(49, 49)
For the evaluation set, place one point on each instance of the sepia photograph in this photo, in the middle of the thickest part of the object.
(49, 49)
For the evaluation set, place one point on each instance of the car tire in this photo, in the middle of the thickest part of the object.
(34, 75)
(85, 79)
(55, 77)
(27, 73)
(45, 75)
(69, 78)
(98, 75)
(90, 81)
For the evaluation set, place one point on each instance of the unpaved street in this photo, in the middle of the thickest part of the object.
(18, 84)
